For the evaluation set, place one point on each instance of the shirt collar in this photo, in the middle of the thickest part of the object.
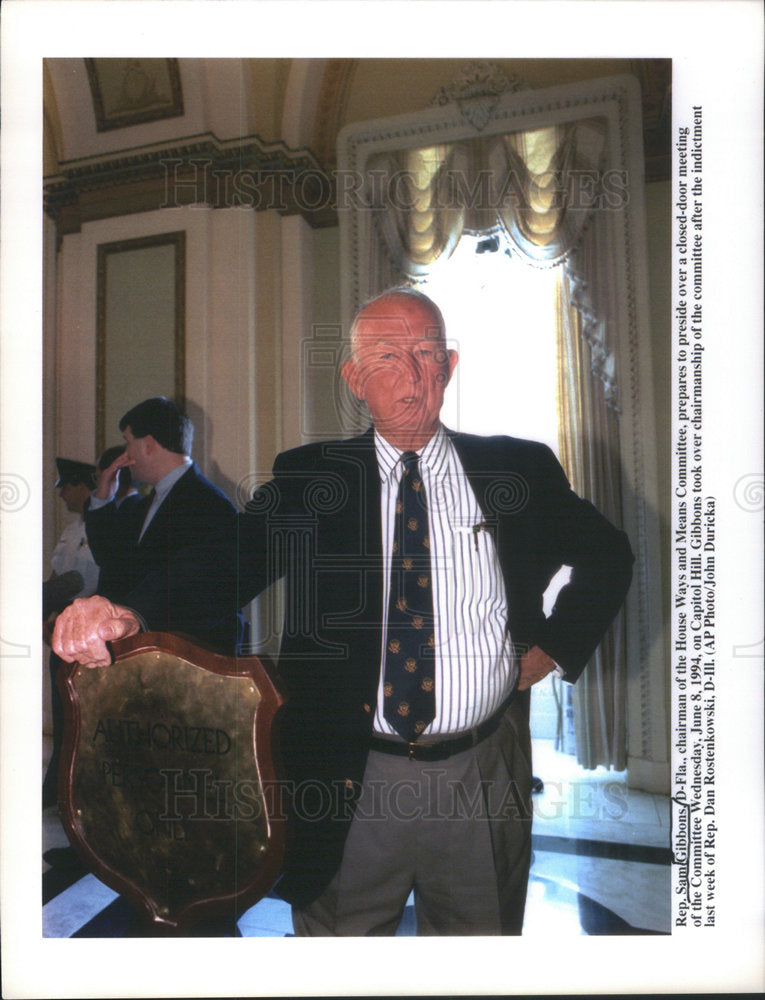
(169, 480)
(433, 455)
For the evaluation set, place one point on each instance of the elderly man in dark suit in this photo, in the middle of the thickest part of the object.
(415, 561)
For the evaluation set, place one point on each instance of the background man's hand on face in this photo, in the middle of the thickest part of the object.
(108, 479)
(83, 629)
(535, 666)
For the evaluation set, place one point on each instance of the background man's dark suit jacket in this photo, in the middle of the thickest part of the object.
(192, 510)
(317, 522)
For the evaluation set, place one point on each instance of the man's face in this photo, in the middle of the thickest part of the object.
(138, 451)
(401, 367)
(74, 496)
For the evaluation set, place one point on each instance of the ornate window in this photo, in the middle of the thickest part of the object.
(558, 174)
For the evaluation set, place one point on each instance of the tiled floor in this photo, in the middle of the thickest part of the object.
(610, 844)
(600, 866)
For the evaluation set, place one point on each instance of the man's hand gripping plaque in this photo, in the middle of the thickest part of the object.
(84, 628)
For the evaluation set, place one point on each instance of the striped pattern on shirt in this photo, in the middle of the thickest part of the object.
(475, 665)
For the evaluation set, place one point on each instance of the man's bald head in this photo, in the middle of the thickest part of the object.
(401, 365)
(406, 302)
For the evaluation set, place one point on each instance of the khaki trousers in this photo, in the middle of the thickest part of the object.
(455, 832)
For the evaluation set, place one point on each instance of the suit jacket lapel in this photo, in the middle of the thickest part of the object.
(373, 555)
(367, 541)
(371, 502)
(138, 514)
(474, 462)
(158, 529)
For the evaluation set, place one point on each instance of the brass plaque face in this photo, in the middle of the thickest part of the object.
(165, 789)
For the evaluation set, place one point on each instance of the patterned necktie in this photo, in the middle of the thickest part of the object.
(410, 701)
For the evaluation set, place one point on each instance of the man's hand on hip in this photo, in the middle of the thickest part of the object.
(83, 629)
(535, 666)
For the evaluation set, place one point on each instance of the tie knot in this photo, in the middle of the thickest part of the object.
(410, 461)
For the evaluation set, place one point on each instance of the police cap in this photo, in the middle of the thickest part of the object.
(73, 473)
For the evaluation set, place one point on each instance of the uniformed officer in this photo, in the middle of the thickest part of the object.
(74, 573)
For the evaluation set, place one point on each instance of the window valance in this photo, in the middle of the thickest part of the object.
(539, 187)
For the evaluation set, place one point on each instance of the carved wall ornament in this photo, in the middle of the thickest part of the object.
(476, 89)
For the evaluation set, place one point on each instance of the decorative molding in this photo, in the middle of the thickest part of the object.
(199, 170)
(329, 109)
(476, 89)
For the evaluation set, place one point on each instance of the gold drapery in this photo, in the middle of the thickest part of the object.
(539, 187)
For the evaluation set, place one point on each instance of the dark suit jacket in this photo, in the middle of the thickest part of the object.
(192, 511)
(317, 523)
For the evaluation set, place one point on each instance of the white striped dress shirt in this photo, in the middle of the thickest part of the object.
(475, 666)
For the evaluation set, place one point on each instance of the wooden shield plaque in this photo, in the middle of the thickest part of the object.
(168, 789)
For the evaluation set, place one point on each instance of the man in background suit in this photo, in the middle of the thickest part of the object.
(131, 540)
(378, 807)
